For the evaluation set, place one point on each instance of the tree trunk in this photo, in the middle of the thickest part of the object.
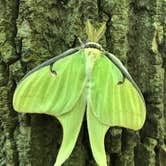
(32, 31)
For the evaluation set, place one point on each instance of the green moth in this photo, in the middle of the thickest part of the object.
(84, 80)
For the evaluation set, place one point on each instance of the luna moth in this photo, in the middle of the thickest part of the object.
(84, 80)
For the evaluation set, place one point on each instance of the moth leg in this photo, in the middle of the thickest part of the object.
(52, 70)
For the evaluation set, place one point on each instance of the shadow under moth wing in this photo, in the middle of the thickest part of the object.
(84, 76)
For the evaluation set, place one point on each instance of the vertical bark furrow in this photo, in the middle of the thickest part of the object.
(145, 61)
(8, 56)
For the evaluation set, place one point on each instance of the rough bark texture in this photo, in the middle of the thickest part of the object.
(32, 31)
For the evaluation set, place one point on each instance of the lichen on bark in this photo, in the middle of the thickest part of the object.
(32, 31)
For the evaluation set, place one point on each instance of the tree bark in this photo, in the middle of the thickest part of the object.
(32, 31)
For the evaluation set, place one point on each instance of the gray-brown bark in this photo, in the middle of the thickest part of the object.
(32, 31)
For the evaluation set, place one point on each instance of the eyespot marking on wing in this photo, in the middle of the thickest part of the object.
(121, 82)
(53, 72)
